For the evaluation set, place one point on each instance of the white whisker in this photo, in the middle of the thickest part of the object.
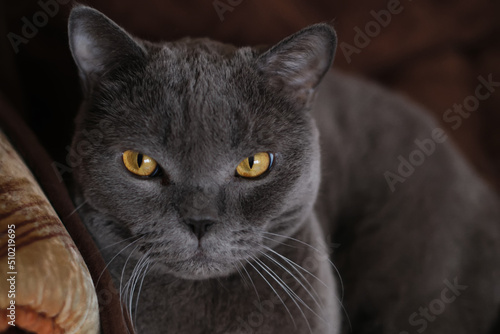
(222, 285)
(123, 287)
(293, 296)
(240, 273)
(114, 257)
(297, 280)
(119, 242)
(274, 290)
(145, 271)
(319, 252)
(340, 301)
(131, 283)
(295, 265)
(77, 208)
(251, 281)
(279, 242)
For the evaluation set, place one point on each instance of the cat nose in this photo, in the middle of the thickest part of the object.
(199, 226)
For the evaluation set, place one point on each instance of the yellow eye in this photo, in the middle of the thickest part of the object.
(139, 164)
(255, 165)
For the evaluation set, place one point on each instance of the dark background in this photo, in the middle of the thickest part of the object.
(431, 51)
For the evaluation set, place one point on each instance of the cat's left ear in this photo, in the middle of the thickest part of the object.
(99, 45)
(297, 64)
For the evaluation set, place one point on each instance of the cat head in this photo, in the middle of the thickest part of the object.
(201, 153)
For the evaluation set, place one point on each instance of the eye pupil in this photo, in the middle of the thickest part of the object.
(139, 160)
(251, 161)
(255, 165)
(140, 164)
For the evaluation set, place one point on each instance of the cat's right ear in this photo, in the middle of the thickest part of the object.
(296, 65)
(99, 45)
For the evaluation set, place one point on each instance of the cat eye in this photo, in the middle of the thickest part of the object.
(139, 164)
(255, 165)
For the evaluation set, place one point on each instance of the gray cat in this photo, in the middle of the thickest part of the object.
(200, 182)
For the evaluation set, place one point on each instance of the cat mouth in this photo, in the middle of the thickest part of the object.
(198, 257)
(201, 256)
(200, 266)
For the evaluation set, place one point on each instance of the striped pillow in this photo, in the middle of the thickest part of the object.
(45, 286)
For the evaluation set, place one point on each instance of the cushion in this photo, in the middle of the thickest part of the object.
(49, 285)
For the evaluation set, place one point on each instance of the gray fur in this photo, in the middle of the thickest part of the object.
(199, 107)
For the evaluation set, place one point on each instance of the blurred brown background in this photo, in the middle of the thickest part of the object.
(432, 51)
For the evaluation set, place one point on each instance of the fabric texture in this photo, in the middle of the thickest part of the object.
(39, 268)
(49, 285)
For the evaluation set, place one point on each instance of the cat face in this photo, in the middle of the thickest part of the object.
(189, 113)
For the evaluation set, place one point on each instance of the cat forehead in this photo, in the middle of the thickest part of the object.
(199, 45)
(191, 83)
(193, 69)
(199, 81)
(200, 53)
(193, 93)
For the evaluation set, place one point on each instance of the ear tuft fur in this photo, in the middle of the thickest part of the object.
(98, 44)
(298, 63)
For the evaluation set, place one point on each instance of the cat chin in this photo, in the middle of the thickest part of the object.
(197, 268)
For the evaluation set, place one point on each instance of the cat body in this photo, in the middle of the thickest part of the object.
(213, 251)
(422, 255)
